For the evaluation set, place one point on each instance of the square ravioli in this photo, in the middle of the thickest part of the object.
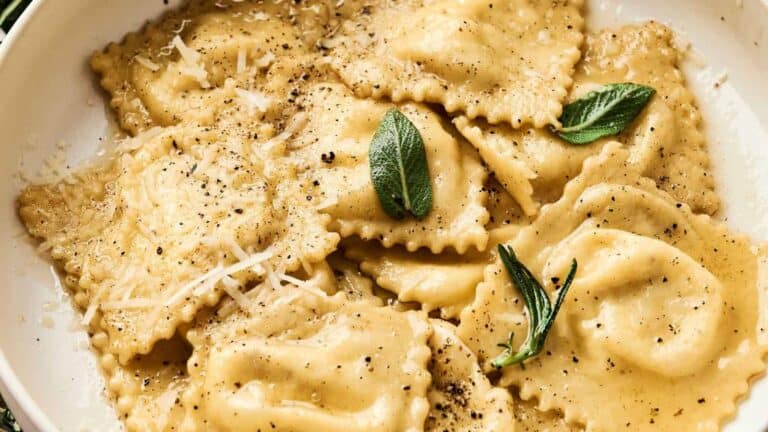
(193, 62)
(444, 281)
(331, 148)
(461, 397)
(307, 362)
(149, 390)
(160, 231)
(666, 141)
(508, 61)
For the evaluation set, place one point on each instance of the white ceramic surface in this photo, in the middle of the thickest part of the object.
(48, 96)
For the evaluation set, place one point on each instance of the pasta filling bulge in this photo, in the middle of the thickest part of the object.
(666, 142)
(665, 306)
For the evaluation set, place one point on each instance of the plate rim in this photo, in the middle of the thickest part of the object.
(27, 412)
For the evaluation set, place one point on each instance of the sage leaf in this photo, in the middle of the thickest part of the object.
(604, 112)
(10, 12)
(7, 421)
(541, 313)
(399, 169)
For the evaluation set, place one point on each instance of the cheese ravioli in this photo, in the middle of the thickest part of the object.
(507, 61)
(162, 230)
(444, 281)
(332, 150)
(195, 63)
(666, 142)
(307, 362)
(461, 398)
(666, 311)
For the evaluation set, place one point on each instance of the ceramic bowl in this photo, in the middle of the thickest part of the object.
(50, 105)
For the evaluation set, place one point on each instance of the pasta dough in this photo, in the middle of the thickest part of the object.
(444, 281)
(333, 150)
(148, 390)
(528, 418)
(506, 61)
(666, 307)
(461, 398)
(149, 238)
(666, 142)
(351, 281)
(307, 363)
(189, 66)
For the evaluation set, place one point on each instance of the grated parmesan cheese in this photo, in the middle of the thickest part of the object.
(298, 122)
(234, 292)
(134, 143)
(56, 280)
(264, 61)
(189, 286)
(147, 63)
(89, 314)
(302, 285)
(272, 280)
(292, 280)
(235, 248)
(207, 281)
(254, 100)
(183, 24)
(255, 15)
(241, 60)
(192, 66)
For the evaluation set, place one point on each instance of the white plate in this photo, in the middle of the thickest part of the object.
(48, 95)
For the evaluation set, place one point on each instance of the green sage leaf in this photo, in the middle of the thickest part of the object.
(399, 170)
(10, 11)
(541, 313)
(7, 421)
(604, 112)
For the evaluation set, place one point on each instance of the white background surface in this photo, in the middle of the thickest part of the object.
(49, 96)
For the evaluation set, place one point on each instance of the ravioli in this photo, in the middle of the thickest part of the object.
(162, 230)
(664, 323)
(506, 215)
(148, 390)
(308, 362)
(666, 142)
(194, 62)
(506, 61)
(332, 150)
(349, 280)
(461, 398)
(528, 418)
(445, 281)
